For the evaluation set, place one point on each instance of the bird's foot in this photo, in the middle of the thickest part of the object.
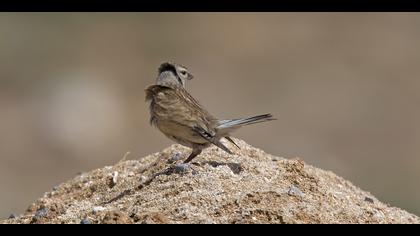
(181, 168)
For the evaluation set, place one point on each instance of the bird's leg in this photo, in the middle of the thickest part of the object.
(195, 152)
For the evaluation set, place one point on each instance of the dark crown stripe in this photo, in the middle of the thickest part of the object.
(167, 67)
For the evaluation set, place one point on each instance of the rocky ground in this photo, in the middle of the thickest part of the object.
(248, 187)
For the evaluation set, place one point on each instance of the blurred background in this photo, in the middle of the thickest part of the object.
(344, 87)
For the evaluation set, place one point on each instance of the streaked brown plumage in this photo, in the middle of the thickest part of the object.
(181, 118)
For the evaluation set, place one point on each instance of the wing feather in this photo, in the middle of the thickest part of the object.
(177, 106)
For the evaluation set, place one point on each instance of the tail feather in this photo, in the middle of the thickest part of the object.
(231, 140)
(221, 146)
(226, 126)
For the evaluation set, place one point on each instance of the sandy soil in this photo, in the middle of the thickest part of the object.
(248, 187)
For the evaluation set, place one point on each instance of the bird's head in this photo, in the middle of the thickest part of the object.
(172, 74)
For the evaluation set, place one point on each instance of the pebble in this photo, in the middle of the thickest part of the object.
(181, 168)
(85, 221)
(295, 191)
(236, 168)
(274, 158)
(378, 216)
(115, 177)
(41, 212)
(98, 209)
(175, 158)
(368, 199)
(143, 178)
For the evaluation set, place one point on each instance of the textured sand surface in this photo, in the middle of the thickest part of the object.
(248, 187)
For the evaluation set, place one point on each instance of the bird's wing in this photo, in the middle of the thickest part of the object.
(177, 105)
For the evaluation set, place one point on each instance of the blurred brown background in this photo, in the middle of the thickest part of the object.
(344, 86)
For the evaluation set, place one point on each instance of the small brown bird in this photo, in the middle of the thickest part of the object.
(182, 119)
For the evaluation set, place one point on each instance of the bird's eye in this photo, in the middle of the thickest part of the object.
(183, 72)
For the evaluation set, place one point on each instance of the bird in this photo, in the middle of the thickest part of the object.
(180, 117)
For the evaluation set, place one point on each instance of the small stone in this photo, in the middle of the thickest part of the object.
(112, 179)
(236, 168)
(181, 168)
(143, 178)
(41, 213)
(378, 216)
(368, 199)
(12, 216)
(274, 158)
(98, 209)
(85, 221)
(115, 177)
(175, 158)
(295, 191)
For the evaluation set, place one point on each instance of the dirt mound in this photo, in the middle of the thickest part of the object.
(248, 187)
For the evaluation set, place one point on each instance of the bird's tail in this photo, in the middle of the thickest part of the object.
(226, 126)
